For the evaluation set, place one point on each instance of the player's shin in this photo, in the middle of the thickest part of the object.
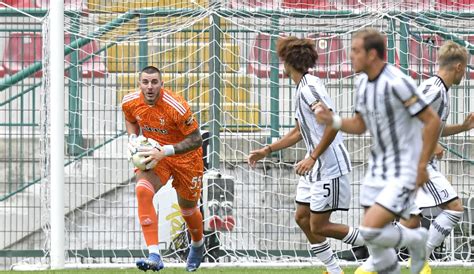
(147, 214)
(193, 218)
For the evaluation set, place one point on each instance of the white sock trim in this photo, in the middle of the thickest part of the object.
(154, 249)
(198, 243)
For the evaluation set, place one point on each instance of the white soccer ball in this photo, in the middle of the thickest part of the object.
(138, 160)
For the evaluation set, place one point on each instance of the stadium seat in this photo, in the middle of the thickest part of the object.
(361, 6)
(264, 4)
(422, 55)
(21, 4)
(30, 45)
(308, 4)
(470, 39)
(455, 5)
(260, 57)
(76, 5)
(22, 50)
(332, 61)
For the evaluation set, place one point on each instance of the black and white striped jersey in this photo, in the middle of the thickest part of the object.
(436, 93)
(334, 162)
(388, 105)
(437, 97)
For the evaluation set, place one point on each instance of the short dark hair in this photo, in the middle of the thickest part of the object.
(300, 53)
(150, 70)
(373, 39)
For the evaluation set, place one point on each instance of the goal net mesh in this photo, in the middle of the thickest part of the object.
(220, 56)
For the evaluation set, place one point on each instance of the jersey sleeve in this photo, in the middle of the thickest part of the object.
(431, 93)
(186, 123)
(312, 95)
(359, 96)
(127, 111)
(413, 100)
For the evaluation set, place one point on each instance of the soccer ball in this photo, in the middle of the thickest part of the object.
(137, 159)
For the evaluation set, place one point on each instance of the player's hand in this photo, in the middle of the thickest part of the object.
(323, 114)
(438, 152)
(257, 155)
(422, 176)
(152, 156)
(468, 123)
(132, 145)
(304, 166)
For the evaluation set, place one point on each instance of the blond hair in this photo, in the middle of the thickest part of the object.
(451, 53)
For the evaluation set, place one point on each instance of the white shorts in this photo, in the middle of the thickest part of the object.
(436, 191)
(396, 198)
(326, 195)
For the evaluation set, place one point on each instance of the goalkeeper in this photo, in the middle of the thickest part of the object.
(167, 121)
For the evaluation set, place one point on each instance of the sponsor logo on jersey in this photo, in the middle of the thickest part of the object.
(157, 130)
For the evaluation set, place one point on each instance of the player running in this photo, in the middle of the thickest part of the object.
(324, 185)
(389, 106)
(452, 60)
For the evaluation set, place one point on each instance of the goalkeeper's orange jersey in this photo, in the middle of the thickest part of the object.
(168, 122)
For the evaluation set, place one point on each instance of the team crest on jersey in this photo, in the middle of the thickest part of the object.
(162, 121)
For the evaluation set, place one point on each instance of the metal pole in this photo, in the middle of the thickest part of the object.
(391, 41)
(274, 83)
(214, 98)
(56, 46)
(75, 140)
(143, 44)
(404, 45)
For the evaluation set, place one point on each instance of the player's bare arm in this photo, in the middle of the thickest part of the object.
(305, 165)
(431, 123)
(191, 142)
(290, 139)
(132, 128)
(353, 125)
(467, 125)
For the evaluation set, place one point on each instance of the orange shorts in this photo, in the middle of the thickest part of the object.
(187, 175)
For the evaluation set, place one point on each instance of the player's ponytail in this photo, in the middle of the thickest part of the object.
(300, 53)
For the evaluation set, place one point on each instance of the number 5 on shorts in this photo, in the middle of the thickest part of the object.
(326, 187)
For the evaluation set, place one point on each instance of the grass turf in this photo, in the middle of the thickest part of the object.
(450, 270)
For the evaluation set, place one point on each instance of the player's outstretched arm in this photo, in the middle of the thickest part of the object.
(353, 125)
(291, 138)
(467, 125)
(431, 126)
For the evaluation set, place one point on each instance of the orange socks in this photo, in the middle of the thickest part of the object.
(147, 212)
(193, 218)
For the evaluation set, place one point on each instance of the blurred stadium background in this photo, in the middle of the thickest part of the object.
(220, 55)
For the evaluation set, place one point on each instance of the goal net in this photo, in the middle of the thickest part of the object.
(220, 56)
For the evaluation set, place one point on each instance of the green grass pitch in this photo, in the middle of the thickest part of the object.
(450, 270)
